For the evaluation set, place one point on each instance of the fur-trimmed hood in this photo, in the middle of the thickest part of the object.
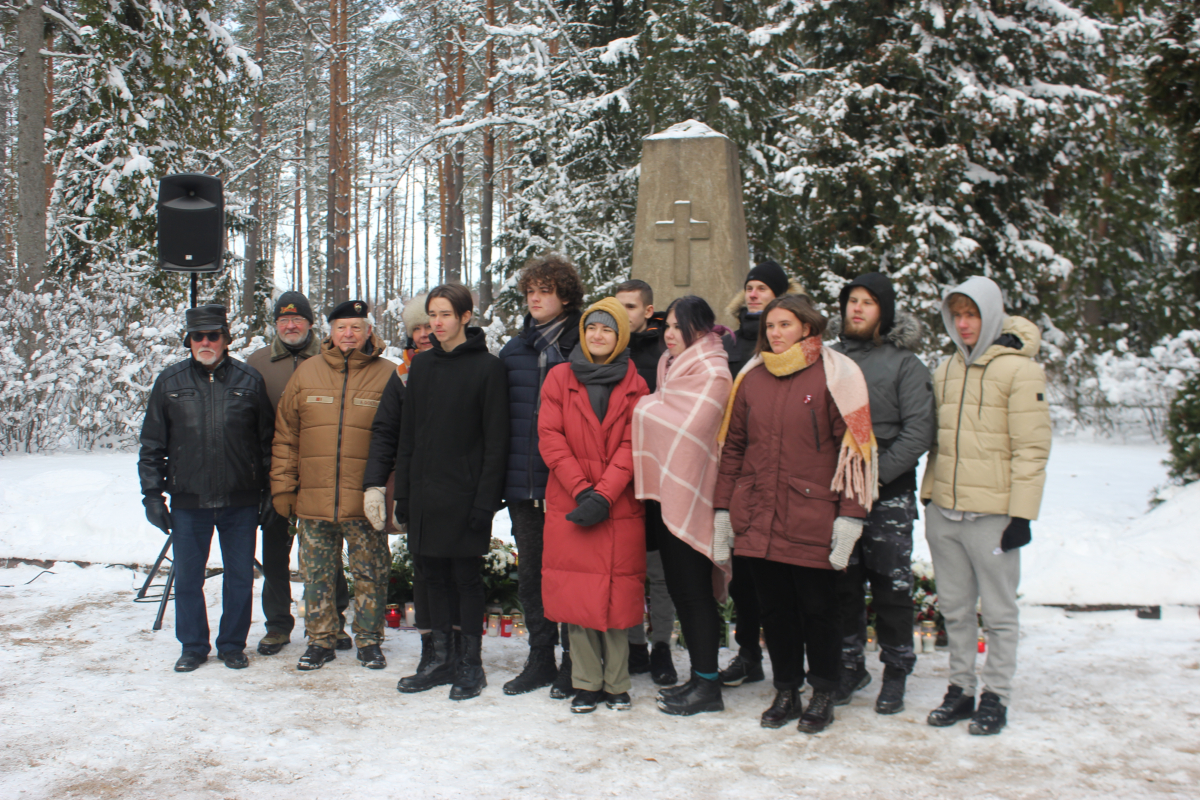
(907, 331)
(739, 300)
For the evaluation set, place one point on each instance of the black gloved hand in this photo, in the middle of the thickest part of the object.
(267, 515)
(159, 517)
(1016, 535)
(480, 521)
(585, 494)
(400, 512)
(592, 511)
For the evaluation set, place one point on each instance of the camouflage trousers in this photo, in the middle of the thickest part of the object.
(369, 561)
(882, 558)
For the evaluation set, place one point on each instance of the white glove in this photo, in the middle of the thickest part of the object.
(722, 537)
(375, 506)
(846, 531)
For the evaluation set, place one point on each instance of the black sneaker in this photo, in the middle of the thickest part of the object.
(561, 689)
(891, 693)
(189, 661)
(618, 702)
(956, 706)
(315, 657)
(371, 657)
(585, 701)
(854, 676)
(787, 707)
(819, 714)
(540, 670)
(741, 670)
(990, 717)
(686, 686)
(344, 642)
(662, 666)
(703, 695)
(639, 659)
(234, 659)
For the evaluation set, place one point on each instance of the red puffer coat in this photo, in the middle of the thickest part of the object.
(593, 577)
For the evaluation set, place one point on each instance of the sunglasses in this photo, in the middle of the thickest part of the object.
(206, 336)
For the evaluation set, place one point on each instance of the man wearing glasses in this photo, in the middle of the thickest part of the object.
(206, 441)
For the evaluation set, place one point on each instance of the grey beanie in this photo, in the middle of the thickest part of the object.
(602, 317)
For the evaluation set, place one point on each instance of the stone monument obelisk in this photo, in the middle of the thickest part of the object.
(690, 232)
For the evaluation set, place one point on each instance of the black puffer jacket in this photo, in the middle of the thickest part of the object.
(206, 439)
(453, 443)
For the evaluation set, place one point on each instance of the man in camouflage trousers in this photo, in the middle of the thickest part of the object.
(881, 339)
(322, 439)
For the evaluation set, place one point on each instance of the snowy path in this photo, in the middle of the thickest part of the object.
(1109, 706)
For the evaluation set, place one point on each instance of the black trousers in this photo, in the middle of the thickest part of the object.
(749, 617)
(528, 523)
(450, 579)
(800, 617)
(277, 580)
(421, 601)
(689, 577)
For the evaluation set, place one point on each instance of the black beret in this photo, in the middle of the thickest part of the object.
(349, 309)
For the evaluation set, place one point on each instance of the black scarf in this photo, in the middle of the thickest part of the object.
(599, 379)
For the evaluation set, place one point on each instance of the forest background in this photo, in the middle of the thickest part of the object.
(374, 149)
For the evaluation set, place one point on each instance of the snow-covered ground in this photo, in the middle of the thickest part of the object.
(1108, 705)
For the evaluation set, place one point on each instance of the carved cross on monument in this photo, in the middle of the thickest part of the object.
(681, 230)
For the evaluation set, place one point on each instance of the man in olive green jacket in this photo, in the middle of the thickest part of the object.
(983, 486)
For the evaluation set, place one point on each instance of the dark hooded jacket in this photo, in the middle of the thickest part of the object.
(740, 344)
(646, 346)
(899, 384)
(453, 443)
(526, 475)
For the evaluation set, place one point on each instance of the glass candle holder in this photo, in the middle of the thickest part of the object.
(493, 625)
(410, 614)
(506, 625)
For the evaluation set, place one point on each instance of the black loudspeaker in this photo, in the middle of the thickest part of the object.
(191, 223)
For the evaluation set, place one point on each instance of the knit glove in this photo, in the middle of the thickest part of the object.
(722, 537)
(266, 512)
(846, 532)
(375, 507)
(480, 521)
(285, 503)
(592, 511)
(1016, 535)
(156, 512)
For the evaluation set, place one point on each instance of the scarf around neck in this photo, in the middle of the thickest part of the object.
(599, 379)
(857, 473)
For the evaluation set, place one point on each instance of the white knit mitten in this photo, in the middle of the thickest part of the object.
(846, 531)
(375, 507)
(722, 537)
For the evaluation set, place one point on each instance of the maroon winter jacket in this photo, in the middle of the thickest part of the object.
(778, 463)
(593, 577)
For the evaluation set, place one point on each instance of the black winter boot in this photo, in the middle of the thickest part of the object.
(371, 656)
(741, 670)
(703, 695)
(470, 679)
(819, 714)
(540, 670)
(686, 686)
(426, 651)
(891, 693)
(956, 706)
(439, 671)
(585, 701)
(662, 666)
(990, 717)
(562, 688)
(787, 707)
(315, 657)
(854, 677)
(639, 659)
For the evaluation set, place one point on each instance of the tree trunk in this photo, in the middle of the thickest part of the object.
(339, 154)
(254, 234)
(489, 177)
(312, 192)
(31, 145)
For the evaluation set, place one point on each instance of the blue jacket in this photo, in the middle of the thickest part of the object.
(527, 474)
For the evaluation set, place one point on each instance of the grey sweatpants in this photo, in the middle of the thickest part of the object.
(662, 610)
(968, 570)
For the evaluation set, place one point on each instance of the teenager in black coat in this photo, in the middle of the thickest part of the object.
(449, 482)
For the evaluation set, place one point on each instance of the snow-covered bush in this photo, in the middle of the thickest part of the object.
(1183, 422)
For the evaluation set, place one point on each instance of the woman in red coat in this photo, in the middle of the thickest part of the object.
(594, 562)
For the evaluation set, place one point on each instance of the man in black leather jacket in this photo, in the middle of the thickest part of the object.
(206, 441)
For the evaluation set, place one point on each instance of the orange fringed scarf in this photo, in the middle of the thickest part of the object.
(857, 472)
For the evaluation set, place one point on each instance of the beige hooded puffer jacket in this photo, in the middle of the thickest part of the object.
(993, 419)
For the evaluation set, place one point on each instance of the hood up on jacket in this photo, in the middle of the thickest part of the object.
(907, 331)
(987, 296)
(881, 288)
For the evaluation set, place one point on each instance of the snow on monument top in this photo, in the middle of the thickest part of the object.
(692, 129)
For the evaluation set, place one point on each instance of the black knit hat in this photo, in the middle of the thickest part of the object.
(205, 318)
(351, 309)
(772, 275)
(880, 286)
(293, 303)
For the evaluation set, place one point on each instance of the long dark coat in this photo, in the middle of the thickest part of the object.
(453, 445)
